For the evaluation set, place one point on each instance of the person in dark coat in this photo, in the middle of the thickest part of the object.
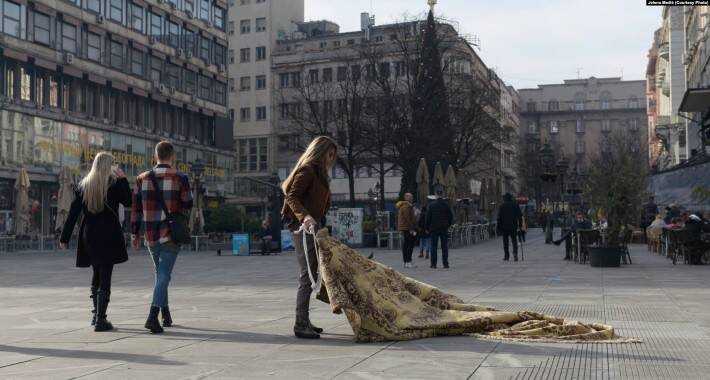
(439, 218)
(509, 221)
(101, 244)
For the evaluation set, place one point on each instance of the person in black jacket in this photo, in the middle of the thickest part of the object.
(101, 244)
(438, 220)
(509, 220)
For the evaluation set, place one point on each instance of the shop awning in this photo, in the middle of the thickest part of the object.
(696, 100)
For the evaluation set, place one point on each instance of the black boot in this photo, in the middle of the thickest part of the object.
(318, 330)
(94, 291)
(167, 319)
(302, 329)
(102, 300)
(152, 323)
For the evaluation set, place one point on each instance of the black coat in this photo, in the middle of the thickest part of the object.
(509, 217)
(439, 216)
(100, 235)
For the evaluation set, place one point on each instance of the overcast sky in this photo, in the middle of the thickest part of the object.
(529, 42)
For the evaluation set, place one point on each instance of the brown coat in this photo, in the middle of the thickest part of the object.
(309, 194)
(406, 220)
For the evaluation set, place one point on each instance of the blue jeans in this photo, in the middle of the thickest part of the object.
(425, 245)
(164, 256)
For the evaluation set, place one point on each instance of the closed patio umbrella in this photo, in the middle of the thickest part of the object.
(197, 218)
(422, 182)
(64, 197)
(439, 180)
(450, 184)
(22, 203)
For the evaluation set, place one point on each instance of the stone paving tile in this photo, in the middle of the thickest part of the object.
(234, 318)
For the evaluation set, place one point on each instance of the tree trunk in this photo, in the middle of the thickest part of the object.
(381, 205)
(351, 189)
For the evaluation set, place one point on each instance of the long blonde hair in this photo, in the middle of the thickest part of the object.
(95, 185)
(316, 153)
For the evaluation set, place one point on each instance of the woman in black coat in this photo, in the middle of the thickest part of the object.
(101, 244)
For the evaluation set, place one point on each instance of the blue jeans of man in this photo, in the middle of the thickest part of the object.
(444, 237)
(163, 256)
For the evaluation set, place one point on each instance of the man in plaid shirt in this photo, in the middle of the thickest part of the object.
(148, 213)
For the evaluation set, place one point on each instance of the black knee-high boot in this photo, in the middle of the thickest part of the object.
(94, 291)
(102, 301)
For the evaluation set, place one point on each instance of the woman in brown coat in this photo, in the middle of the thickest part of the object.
(306, 201)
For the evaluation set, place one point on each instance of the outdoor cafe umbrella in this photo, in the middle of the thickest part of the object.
(439, 180)
(22, 203)
(450, 184)
(422, 181)
(64, 197)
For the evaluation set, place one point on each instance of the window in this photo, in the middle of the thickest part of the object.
(190, 40)
(328, 74)
(355, 72)
(633, 102)
(173, 34)
(634, 125)
(230, 28)
(156, 25)
(245, 114)
(93, 44)
(116, 10)
(399, 69)
(579, 147)
(173, 72)
(244, 83)
(189, 6)
(579, 101)
(342, 73)
(137, 17)
(41, 28)
(580, 126)
(156, 69)
(531, 106)
(219, 54)
(116, 55)
(336, 43)
(190, 82)
(205, 49)
(313, 75)
(231, 55)
(245, 26)
(261, 113)
(296, 79)
(261, 53)
(283, 108)
(94, 5)
(69, 38)
(261, 82)
(11, 18)
(218, 17)
(205, 9)
(205, 87)
(553, 105)
(220, 93)
(253, 155)
(244, 2)
(554, 128)
(606, 125)
(260, 24)
(384, 70)
(532, 128)
(137, 62)
(245, 55)
(284, 80)
(323, 45)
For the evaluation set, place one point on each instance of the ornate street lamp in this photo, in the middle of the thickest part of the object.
(198, 169)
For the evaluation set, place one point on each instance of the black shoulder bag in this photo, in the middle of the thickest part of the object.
(177, 222)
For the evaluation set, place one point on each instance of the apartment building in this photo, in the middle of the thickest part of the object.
(81, 76)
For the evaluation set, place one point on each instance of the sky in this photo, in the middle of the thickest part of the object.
(529, 42)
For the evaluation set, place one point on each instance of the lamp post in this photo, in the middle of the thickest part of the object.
(562, 166)
(198, 169)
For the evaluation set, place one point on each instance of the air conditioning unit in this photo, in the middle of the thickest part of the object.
(68, 58)
(151, 40)
(99, 19)
(163, 88)
(180, 53)
(172, 90)
(188, 54)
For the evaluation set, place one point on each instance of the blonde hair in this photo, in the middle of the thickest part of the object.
(316, 153)
(95, 185)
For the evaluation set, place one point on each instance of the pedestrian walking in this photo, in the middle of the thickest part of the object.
(306, 202)
(160, 201)
(439, 219)
(406, 225)
(522, 232)
(509, 220)
(423, 233)
(101, 244)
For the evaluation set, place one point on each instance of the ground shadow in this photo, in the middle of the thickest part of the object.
(84, 354)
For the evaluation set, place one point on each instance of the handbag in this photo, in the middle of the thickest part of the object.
(177, 221)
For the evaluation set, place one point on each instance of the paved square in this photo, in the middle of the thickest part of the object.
(234, 317)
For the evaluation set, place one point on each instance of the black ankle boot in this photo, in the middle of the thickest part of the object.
(94, 291)
(167, 319)
(102, 300)
(302, 329)
(318, 330)
(152, 323)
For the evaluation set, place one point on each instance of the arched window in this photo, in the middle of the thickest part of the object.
(531, 106)
(605, 100)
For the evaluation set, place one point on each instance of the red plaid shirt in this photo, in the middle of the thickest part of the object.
(146, 210)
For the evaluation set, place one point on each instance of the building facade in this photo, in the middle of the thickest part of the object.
(575, 117)
(697, 73)
(82, 76)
